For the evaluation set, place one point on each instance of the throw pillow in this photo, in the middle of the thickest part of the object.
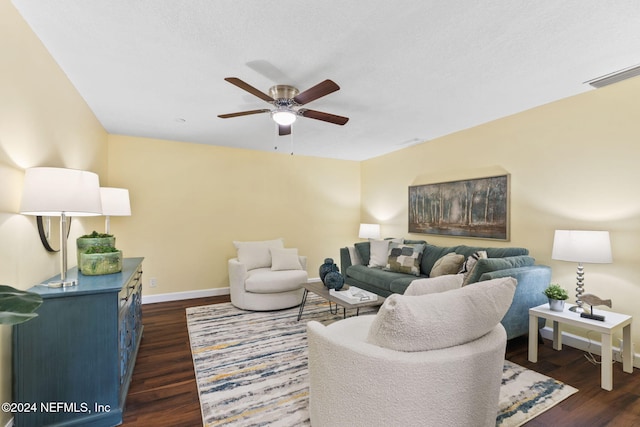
(257, 254)
(404, 258)
(441, 320)
(432, 254)
(468, 265)
(448, 264)
(380, 251)
(354, 255)
(285, 259)
(434, 285)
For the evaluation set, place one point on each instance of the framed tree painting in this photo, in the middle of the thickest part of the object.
(468, 208)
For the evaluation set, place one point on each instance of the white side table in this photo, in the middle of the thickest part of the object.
(566, 317)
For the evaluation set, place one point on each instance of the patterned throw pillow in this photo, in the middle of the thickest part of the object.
(380, 251)
(405, 258)
(471, 261)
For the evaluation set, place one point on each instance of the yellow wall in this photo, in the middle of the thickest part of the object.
(573, 165)
(189, 203)
(43, 122)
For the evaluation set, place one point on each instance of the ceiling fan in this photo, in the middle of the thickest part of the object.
(287, 100)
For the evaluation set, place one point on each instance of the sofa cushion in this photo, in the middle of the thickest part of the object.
(364, 250)
(492, 264)
(431, 254)
(441, 320)
(377, 277)
(256, 254)
(414, 242)
(432, 285)
(285, 259)
(404, 258)
(492, 252)
(267, 281)
(400, 284)
(448, 264)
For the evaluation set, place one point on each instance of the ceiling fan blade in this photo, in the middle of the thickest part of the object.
(252, 90)
(284, 130)
(243, 113)
(325, 117)
(318, 91)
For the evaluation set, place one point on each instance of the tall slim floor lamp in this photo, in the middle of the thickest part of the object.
(64, 193)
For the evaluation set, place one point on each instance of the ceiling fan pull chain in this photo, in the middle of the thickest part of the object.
(275, 138)
(291, 139)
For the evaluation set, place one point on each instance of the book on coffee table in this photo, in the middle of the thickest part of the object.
(354, 295)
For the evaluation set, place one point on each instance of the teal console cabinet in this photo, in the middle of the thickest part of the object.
(72, 364)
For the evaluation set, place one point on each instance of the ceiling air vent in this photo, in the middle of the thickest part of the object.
(615, 77)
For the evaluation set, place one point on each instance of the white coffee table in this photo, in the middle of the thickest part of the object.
(612, 321)
(319, 289)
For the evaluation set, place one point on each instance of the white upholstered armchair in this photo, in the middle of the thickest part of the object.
(266, 276)
(371, 371)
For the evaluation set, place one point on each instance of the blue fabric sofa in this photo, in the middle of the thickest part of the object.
(500, 262)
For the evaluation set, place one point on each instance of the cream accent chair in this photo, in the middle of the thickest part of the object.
(359, 377)
(266, 276)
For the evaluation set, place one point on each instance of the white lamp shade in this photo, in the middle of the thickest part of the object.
(53, 191)
(283, 117)
(582, 246)
(115, 201)
(369, 231)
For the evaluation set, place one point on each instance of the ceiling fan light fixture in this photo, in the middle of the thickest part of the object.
(283, 116)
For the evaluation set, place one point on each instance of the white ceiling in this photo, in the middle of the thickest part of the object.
(409, 71)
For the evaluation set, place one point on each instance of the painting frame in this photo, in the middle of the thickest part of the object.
(470, 208)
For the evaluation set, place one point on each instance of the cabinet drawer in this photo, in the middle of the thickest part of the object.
(131, 287)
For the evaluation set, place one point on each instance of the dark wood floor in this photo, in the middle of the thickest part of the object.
(163, 391)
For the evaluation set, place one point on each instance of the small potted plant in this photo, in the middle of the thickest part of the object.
(557, 296)
(101, 259)
(94, 239)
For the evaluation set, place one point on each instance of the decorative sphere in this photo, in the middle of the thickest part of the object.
(334, 280)
(327, 267)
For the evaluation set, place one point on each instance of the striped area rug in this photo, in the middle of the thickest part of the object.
(251, 368)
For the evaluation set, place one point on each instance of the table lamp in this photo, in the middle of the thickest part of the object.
(64, 193)
(581, 246)
(115, 202)
(369, 231)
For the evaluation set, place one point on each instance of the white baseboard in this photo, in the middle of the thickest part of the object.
(584, 344)
(176, 296)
